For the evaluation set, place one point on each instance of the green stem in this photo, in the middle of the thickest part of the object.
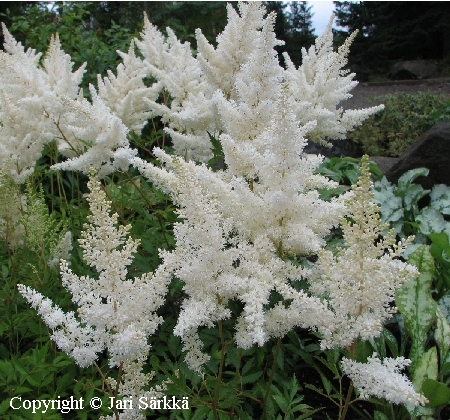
(219, 377)
(343, 409)
(347, 402)
(272, 372)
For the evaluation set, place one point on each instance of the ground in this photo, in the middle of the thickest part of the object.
(364, 93)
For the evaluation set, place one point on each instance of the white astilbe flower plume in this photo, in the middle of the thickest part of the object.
(58, 70)
(125, 93)
(382, 379)
(41, 104)
(359, 283)
(235, 45)
(320, 84)
(97, 139)
(241, 73)
(28, 93)
(215, 261)
(115, 313)
(240, 224)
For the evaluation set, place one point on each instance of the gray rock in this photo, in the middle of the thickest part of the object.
(416, 69)
(431, 151)
(384, 163)
(339, 148)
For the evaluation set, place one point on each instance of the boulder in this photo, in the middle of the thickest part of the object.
(384, 163)
(416, 69)
(431, 151)
(339, 148)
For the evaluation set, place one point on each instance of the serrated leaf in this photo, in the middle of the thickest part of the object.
(21, 390)
(308, 414)
(201, 413)
(294, 388)
(253, 377)
(281, 402)
(326, 384)
(247, 367)
(377, 415)
(299, 407)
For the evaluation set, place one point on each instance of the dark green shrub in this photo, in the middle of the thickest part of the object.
(405, 118)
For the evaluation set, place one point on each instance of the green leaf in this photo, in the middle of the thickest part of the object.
(362, 351)
(253, 377)
(282, 403)
(412, 196)
(440, 247)
(436, 392)
(377, 415)
(201, 413)
(391, 342)
(4, 405)
(442, 333)
(426, 368)
(440, 198)
(408, 177)
(430, 221)
(444, 305)
(415, 302)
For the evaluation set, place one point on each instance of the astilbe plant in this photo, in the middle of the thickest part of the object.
(115, 313)
(242, 225)
(43, 104)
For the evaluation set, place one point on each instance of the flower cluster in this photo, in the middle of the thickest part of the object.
(359, 283)
(114, 312)
(231, 89)
(242, 222)
(41, 104)
(382, 379)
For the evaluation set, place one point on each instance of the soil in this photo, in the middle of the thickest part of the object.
(364, 93)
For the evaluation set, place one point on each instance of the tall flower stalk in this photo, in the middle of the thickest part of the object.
(115, 313)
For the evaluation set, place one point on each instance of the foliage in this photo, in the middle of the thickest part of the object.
(404, 206)
(404, 119)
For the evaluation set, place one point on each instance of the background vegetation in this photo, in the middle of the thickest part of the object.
(391, 31)
(404, 119)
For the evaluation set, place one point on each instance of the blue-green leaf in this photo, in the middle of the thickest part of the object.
(440, 198)
(415, 302)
